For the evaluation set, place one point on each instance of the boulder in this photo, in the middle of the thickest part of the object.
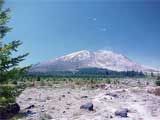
(30, 107)
(87, 106)
(84, 97)
(9, 111)
(122, 112)
(63, 96)
(29, 112)
(112, 95)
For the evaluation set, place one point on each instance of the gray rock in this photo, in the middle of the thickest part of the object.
(42, 100)
(87, 106)
(84, 97)
(9, 111)
(113, 95)
(63, 96)
(29, 112)
(64, 111)
(122, 112)
(30, 107)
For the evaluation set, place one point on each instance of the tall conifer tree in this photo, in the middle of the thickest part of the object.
(9, 65)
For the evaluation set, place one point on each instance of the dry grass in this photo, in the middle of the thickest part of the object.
(157, 91)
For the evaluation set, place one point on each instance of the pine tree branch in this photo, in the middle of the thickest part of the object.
(8, 63)
(4, 17)
(7, 48)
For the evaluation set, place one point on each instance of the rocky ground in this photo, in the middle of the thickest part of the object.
(110, 102)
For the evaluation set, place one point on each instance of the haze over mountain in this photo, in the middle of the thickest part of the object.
(87, 59)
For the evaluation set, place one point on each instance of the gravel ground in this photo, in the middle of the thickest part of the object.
(63, 103)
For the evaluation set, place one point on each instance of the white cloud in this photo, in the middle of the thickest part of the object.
(103, 29)
(94, 19)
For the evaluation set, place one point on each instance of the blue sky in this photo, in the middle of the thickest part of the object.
(51, 28)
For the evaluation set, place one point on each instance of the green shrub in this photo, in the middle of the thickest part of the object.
(50, 84)
(18, 116)
(158, 78)
(42, 83)
(108, 81)
(116, 82)
(14, 82)
(45, 117)
(38, 78)
(157, 82)
(8, 94)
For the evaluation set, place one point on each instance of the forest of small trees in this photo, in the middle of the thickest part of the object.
(90, 72)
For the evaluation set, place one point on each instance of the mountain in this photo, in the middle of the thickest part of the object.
(86, 59)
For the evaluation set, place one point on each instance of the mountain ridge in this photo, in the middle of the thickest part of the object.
(91, 59)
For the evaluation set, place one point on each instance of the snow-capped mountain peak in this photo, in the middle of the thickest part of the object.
(80, 55)
(97, 59)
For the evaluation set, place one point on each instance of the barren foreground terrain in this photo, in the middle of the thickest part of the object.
(63, 102)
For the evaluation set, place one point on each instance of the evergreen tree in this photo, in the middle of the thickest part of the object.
(9, 69)
(152, 74)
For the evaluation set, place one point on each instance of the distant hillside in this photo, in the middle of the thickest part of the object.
(74, 62)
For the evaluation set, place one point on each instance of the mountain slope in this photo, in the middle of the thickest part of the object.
(86, 59)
